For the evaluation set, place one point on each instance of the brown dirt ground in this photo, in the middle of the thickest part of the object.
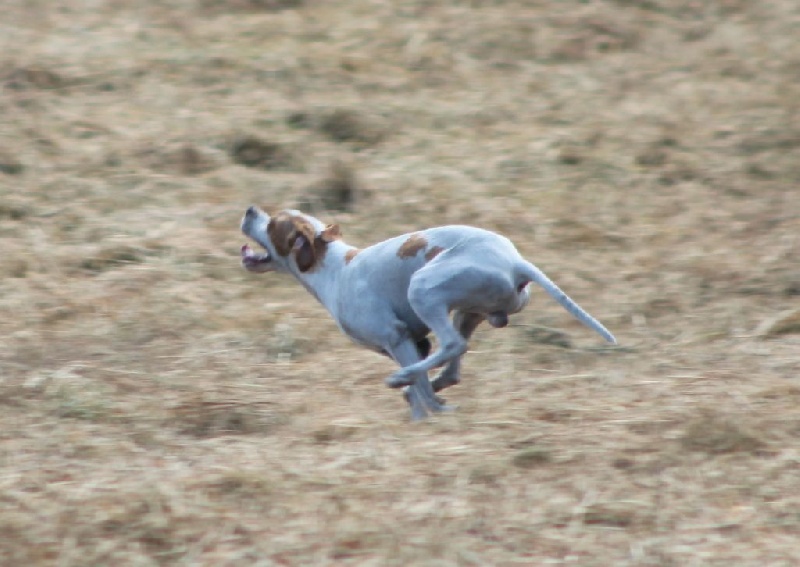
(160, 406)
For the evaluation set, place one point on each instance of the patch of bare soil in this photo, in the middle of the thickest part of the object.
(159, 405)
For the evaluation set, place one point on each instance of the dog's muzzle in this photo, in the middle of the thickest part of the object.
(250, 216)
(252, 222)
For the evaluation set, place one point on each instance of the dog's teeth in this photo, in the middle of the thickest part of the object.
(249, 255)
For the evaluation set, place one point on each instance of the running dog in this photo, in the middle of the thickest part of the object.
(391, 296)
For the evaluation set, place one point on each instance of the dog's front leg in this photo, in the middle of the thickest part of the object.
(419, 394)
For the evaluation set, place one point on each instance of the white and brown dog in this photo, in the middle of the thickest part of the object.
(390, 296)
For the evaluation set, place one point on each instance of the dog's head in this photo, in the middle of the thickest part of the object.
(291, 240)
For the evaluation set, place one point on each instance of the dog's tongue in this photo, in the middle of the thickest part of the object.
(251, 257)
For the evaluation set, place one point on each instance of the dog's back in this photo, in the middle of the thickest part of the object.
(387, 267)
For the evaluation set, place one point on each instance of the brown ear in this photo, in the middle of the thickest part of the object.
(331, 233)
(303, 253)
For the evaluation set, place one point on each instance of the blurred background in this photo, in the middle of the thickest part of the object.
(161, 406)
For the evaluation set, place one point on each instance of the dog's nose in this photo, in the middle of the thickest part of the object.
(250, 216)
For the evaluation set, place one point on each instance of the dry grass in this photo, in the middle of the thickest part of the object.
(160, 406)
(339, 189)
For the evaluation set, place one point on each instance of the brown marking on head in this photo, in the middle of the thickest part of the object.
(294, 234)
(412, 245)
(350, 254)
(433, 252)
(284, 229)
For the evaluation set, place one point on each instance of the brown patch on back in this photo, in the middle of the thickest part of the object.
(412, 245)
(433, 252)
(350, 254)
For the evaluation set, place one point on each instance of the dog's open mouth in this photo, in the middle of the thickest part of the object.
(255, 262)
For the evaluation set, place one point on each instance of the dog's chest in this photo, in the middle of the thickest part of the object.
(373, 308)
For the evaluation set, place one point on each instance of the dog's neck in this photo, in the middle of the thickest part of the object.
(322, 280)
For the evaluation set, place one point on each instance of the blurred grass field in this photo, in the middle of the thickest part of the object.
(161, 406)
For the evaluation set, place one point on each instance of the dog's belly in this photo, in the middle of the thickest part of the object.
(367, 330)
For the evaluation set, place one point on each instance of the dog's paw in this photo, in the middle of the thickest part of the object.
(407, 397)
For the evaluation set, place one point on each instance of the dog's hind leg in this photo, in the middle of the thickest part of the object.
(451, 345)
(432, 293)
(466, 323)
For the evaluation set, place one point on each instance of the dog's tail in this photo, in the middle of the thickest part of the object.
(534, 274)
